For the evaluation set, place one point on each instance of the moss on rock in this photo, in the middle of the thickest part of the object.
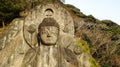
(94, 63)
(86, 49)
(84, 45)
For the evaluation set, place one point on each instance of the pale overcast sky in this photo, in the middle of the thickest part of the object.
(101, 9)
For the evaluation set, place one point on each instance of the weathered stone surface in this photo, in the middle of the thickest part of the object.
(27, 45)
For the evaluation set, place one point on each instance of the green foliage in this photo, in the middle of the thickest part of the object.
(109, 23)
(72, 7)
(9, 9)
(106, 21)
(84, 45)
(10, 6)
(94, 63)
(35, 3)
(75, 10)
(86, 38)
(86, 49)
(114, 29)
(106, 65)
(50, 1)
(90, 18)
(98, 21)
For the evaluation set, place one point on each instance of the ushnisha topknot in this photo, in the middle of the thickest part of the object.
(48, 22)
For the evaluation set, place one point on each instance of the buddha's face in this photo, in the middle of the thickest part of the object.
(49, 35)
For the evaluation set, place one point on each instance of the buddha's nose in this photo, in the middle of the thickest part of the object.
(48, 35)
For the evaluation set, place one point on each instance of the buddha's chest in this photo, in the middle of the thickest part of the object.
(48, 56)
(52, 56)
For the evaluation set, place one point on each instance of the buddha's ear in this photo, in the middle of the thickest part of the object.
(38, 39)
(30, 35)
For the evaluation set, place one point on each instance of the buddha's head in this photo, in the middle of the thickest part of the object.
(49, 31)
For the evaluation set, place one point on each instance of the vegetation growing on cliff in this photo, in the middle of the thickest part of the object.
(84, 45)
(86, 49)
(9, 9)
(103, 37)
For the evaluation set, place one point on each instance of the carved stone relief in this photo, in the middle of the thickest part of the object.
(48, 31)
(50, 52)
(30, 35)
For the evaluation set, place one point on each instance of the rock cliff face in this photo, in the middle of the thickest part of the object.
(44, 38)
(103, 37)
(104, 41)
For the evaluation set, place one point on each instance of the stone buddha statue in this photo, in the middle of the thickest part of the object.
(36, 41)
(49, 53)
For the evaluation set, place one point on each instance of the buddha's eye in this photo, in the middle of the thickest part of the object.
(54, 32)
(44, 32)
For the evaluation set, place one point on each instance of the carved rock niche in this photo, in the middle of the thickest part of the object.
(49, 12)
